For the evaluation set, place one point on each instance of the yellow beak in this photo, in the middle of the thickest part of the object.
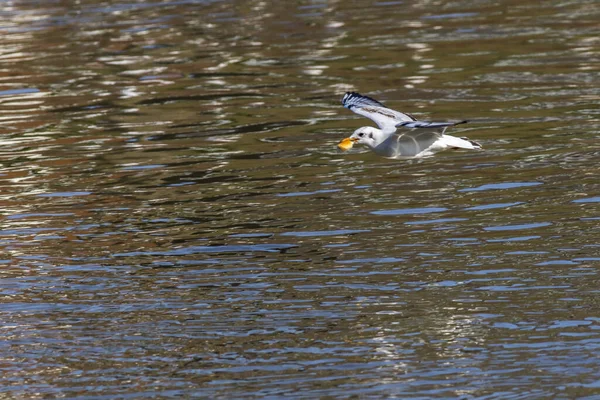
(346, 144)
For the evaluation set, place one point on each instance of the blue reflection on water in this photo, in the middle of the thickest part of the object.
(500, 186)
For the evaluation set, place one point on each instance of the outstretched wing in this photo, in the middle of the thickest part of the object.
(385, 118)
(429, 125)
(423, 142)
(414, 143)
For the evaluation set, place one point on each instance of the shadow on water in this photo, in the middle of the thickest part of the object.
(178, 222)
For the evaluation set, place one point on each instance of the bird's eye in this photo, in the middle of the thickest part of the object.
(361, 134)
(370, 136)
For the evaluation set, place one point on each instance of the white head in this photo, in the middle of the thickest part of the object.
(367, 135)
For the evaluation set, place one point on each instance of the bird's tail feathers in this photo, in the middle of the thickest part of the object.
(461, 143)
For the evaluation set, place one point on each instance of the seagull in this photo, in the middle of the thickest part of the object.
(417, 139)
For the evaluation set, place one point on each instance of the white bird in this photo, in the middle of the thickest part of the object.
(422, 140)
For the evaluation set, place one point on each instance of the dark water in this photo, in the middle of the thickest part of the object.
(177, 221)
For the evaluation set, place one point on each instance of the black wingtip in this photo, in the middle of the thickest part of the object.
(350, 98)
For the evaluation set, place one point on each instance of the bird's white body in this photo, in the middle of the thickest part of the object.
(419, 144)
(418, 139)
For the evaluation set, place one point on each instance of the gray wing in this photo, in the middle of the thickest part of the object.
(440, 126)
(385, 118)
(411, 143)
(423, 136)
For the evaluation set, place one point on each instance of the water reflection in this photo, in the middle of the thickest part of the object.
(178, 221)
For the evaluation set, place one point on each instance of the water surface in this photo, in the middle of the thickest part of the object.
(177, 221)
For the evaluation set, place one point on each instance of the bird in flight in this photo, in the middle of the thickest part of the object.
(399, 135)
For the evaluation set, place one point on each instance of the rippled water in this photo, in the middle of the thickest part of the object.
(177, 221)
